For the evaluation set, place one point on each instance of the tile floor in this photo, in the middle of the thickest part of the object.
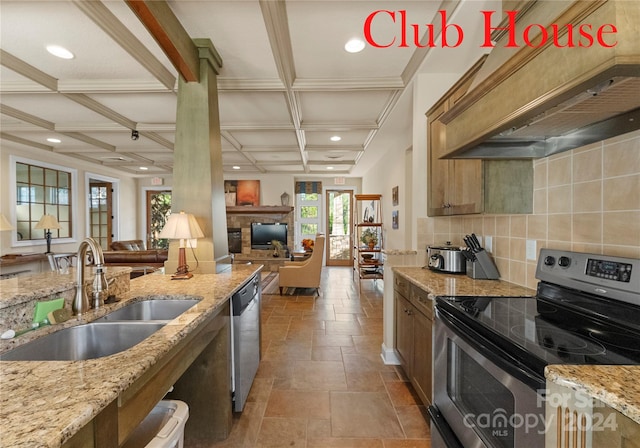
(321, 382)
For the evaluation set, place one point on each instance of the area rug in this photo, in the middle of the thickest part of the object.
(271, 285)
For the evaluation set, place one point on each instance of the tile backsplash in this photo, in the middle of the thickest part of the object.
(584, 200)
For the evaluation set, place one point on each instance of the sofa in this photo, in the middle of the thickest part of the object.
(134, 253)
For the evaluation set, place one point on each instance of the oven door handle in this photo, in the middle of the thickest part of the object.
(491, 351)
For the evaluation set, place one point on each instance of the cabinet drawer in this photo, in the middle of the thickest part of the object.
(420, 299)
(401, 285)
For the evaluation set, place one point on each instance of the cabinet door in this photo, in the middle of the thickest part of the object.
(422, 353)
(404, 331)
(438, 168)
(466, 187)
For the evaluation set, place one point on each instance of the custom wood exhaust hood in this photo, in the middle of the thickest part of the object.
(534, 102)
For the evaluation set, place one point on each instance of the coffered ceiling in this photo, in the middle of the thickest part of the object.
(287, 85)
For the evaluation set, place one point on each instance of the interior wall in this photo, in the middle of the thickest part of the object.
(388, 173)
(585, 200)
(272, 186)
(127, 207)
(427, 90)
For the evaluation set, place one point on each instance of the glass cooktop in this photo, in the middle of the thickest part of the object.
(555, 327)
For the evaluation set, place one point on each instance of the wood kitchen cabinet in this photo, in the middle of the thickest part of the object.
(455, 186)
(574, 419)
(468, 186)
(413, 335)
(404, 330)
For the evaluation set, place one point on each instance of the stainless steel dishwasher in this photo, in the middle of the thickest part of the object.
(245, 309)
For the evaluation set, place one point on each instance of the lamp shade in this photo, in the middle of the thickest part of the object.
(5, 224)
(47, 222)
(181, 226)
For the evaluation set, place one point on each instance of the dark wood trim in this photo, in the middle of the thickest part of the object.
(167, 30)
(249, 210)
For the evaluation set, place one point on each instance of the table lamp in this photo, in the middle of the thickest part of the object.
(182, 226)
(5, 224)
(48, 222)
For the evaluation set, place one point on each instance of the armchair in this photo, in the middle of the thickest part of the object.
(303, 274)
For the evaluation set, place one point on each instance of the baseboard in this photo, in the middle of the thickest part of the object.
(389, 356)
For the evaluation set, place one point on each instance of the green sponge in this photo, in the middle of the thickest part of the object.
(44, 308)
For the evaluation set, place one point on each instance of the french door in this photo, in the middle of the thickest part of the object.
(158, 211)
(100, 213)
(339, 206)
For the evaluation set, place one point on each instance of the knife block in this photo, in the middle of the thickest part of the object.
(482, 267)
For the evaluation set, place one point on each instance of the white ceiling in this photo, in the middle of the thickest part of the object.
(279, 103)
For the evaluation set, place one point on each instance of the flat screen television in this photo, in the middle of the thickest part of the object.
(262, 233)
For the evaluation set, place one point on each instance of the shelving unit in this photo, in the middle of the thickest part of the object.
(367, 219)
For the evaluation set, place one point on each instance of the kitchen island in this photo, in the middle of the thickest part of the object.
(98, 402)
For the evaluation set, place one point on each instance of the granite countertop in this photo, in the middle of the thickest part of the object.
(18, 259)
(44, 403)
(17, 290)
(615, 386)
(441, 284)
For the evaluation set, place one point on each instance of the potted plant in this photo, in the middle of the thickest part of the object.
(369, 237)
(307, 244)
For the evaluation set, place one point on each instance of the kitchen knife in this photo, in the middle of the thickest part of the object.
(476, 242)
(468, 255)
(466, 241)
(472, 245)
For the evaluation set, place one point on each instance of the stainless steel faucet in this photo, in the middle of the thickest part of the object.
(81, 303)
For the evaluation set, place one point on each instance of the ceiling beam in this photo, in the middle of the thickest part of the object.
(26, 117)
(101, 109)
(24, 141)
(158, 139)
(90, 140)
(110, 24)
(274, 13)
(167, 30)
(28, 71)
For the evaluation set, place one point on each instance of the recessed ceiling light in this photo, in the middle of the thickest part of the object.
(329, 167)
(54, 140)
(236, 167)
(144, 168)
(335, 138)
(60, 52)
(354, 45)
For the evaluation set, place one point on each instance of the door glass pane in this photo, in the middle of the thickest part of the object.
(339, 225)
(309, 229)
(159, 209)
(100, 213)
(309, 212)
(484, 401)
(308, 217)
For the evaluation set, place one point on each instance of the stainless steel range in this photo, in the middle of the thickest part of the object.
(490, 352)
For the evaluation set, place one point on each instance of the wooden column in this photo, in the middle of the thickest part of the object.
(198, 184)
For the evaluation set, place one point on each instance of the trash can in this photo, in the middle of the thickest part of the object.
(162, 428)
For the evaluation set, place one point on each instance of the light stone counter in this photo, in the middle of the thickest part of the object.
(441, 284)
(44, 403)
(616, 386)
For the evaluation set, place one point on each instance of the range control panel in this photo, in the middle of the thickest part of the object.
(610, 270)
(610, 277)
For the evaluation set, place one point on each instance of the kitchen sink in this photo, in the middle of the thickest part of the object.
(154, 309)
(89, 341)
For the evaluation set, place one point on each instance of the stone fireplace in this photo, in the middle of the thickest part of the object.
(239, 221)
